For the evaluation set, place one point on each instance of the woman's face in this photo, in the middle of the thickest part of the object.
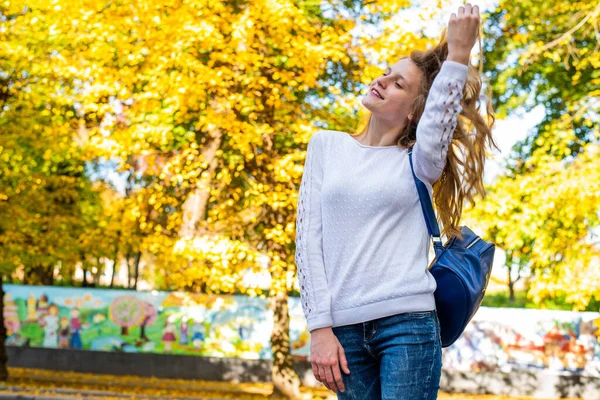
(399, 86)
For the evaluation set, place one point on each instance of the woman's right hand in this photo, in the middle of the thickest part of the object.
(326, 355)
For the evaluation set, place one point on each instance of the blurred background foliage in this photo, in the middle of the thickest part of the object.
(168, 138)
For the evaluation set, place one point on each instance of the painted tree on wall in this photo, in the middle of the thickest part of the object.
(150, 315)
(127, 312)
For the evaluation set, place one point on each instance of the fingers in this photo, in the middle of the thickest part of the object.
(343, 361)
(337, 377)
(323, 373)
(316, 373)
(329, 378)
(467, 10)
(329, 375)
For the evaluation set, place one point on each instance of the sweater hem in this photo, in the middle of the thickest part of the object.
(384, 308)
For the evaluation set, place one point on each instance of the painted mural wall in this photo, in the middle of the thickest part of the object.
(497, 339)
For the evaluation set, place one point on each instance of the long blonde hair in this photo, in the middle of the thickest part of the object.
(455, 184)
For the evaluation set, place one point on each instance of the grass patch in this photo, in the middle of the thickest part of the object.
(501, 299)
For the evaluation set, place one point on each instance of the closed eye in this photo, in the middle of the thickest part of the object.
(397, 84)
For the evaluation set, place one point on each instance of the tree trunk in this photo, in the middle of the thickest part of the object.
(39, 274)
(128, 262)
(85, 272)
(84, 268)
(124, 331)
(115, 259)
(511, 290)
(136, 267)
(286, 382)
(143, 329)
(511, 283)
(47, 276)
(194, 207)
(3, 357)
(98, 273)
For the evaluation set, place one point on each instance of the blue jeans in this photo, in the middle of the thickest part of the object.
(396, 357)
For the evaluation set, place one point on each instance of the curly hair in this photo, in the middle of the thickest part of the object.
(462, 178)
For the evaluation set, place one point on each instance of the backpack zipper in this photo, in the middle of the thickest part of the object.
(473, 242)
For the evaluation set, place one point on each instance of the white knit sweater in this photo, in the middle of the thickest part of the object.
(361, 240)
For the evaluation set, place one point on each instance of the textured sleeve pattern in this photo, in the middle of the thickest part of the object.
(314, 293)
(439, 119)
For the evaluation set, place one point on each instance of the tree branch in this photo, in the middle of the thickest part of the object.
(529, 58)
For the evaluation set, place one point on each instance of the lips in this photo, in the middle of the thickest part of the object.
(376, 93)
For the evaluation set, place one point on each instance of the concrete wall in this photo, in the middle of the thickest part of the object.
(243, 370)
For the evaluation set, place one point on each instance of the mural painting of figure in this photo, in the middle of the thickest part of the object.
(31, 308)
(183, 331)
(75, 329)
(12, 323)
(169, 335)
(197, 335)
(50, 323)
(42, 309)
(63, 333)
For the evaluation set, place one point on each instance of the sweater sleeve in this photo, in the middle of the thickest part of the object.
(439, 119)
(314, 293)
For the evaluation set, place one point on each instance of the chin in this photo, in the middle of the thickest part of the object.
(368, 104)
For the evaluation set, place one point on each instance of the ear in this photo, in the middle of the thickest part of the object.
(410, 116)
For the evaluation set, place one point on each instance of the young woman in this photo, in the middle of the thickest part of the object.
(362, 243)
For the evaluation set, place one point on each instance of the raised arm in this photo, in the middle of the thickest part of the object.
(314, 293)
(439, 119)
(434, 130)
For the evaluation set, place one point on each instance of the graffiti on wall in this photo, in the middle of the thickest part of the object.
(497, 339)
(128, 321)
(509, 339)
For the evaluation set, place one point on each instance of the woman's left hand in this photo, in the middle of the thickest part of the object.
(463, 30)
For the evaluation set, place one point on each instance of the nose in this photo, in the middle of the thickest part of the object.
(380, 82)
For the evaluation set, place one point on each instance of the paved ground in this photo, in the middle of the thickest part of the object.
(30, 384)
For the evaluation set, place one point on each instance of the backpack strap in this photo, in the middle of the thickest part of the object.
(427, 208)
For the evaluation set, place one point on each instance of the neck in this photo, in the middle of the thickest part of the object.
(381, 132)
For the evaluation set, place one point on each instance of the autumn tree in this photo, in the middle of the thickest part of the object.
(210, 107)
(544, 211)
(46, 199)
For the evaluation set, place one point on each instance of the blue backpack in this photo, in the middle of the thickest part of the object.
(461, 269)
